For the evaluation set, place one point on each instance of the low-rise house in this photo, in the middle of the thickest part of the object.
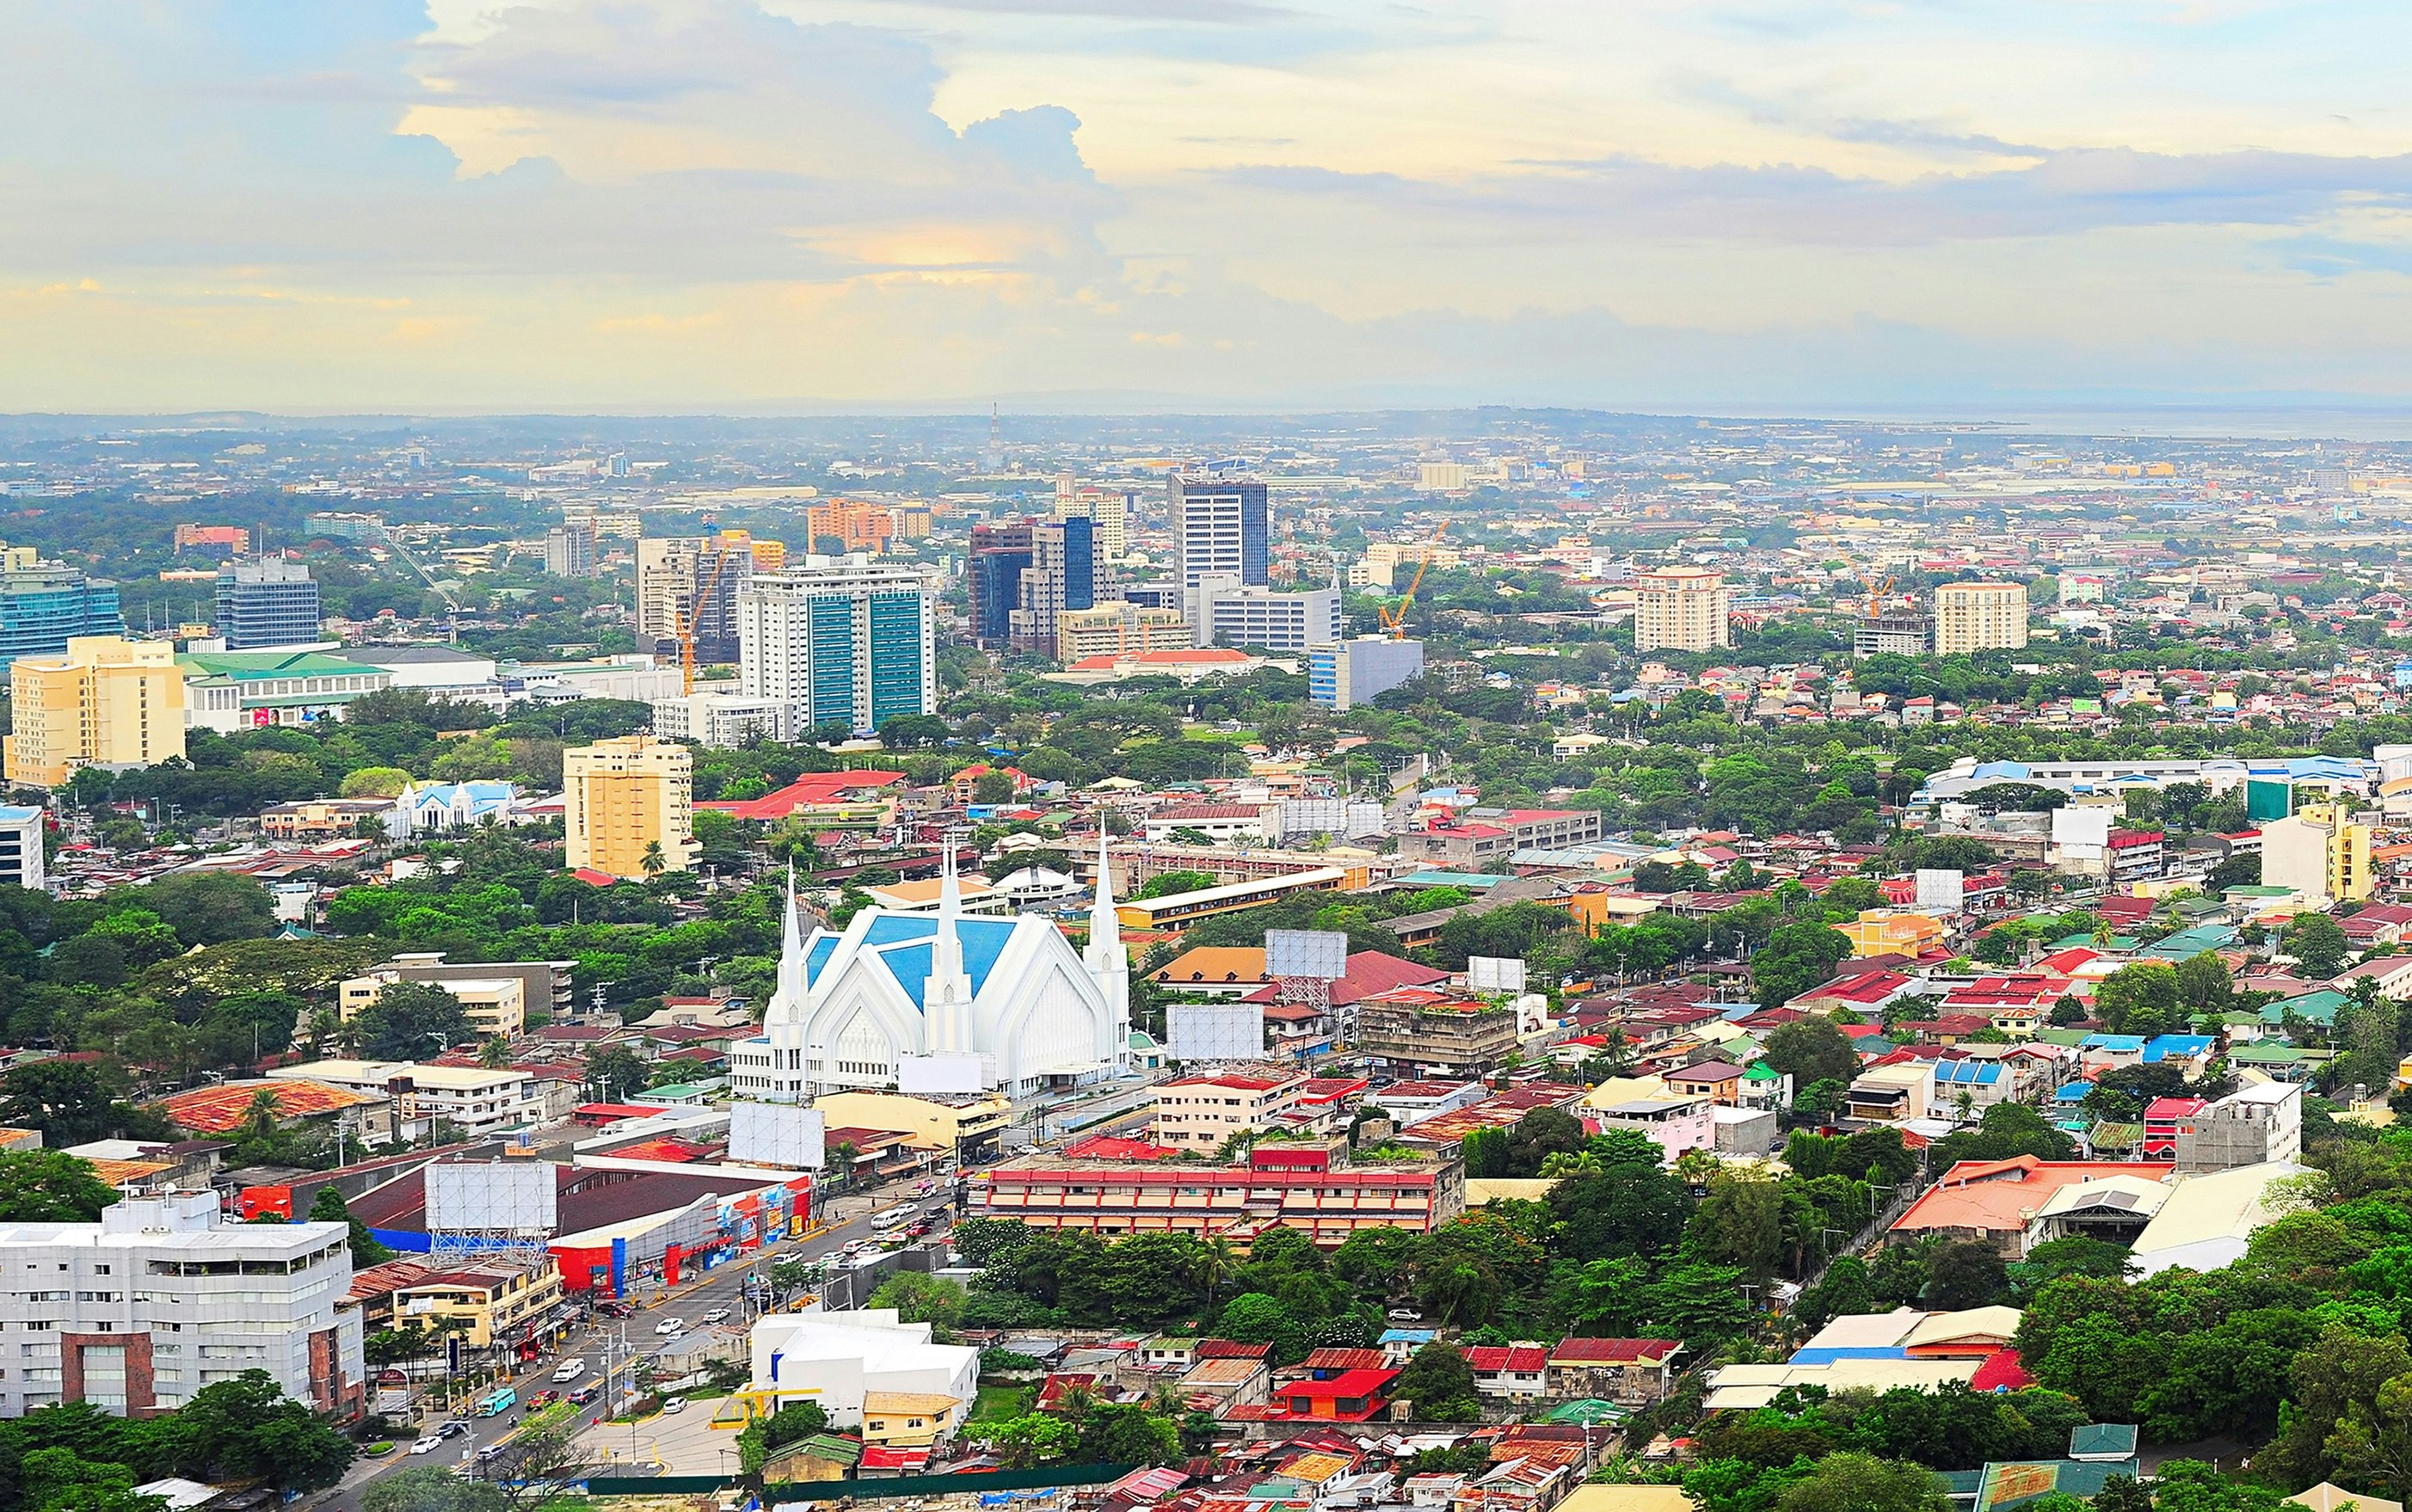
(1999, 1200)
(1509, 1370)
(1625, 1371)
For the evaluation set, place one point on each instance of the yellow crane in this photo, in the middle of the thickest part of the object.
(1875, 598)
(1395, 620)
(682, 625)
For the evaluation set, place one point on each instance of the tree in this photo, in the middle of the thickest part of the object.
(1796, 958)
(373, 781)
(764, 1437)
(431, 1488)
(2204, 984)
(247, 1429)
(652, 861)
(43, 1186)
(1256, 1318)
(1968, 1273)
(992, 787)
(494, 1053)
(1169, 883)
(328, 1207)
(1440, 1384)
(1812, 1049)
(2318, 943)
(211, 907)
(1538, 1135)
(2339, 1375)
(410, 1021)
(615, 1073)
(1031, 1440)
(1853, 1481)
(2139, 998)
(1128, 1434)
(922, 1299)
(74, 1103)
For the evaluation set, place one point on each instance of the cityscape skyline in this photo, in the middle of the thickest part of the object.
(724, 205)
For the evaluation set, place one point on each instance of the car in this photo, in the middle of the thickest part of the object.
(718, 1314)
(587, 1393)
(1404, 1315)
(670, 1326)
(428, 1444)
(674, 1404)
(452, 1428)
(615, 1310)
(569, 1370)
(543, 1399)
(825, 1261)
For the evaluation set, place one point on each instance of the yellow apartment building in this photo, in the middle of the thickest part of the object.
(106, 702)
(622, 796)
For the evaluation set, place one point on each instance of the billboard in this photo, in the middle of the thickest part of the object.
(1313, 817)
(1940, 888)
(2081, 832)
(928, 1076)
(1317, 955)
(1216, 1031)
(518, 1197)
(2268, 799)
(1495, 973)
(775, 1134)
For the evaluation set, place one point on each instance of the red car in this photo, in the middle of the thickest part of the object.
(542, 1400)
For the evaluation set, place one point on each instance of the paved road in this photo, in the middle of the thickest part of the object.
(689, 1300)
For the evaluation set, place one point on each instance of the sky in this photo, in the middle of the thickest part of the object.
(698, 205)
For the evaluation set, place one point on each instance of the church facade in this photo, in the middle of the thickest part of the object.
(852, 1006)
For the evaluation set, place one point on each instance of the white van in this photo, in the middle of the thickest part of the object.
(568, 1370)
(893, 1219)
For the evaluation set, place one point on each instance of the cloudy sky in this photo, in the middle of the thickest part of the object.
(695, 204)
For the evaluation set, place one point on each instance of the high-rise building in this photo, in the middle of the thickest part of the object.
(1225, 612)
(1110, 507)
(104, 701)
(1067, 572)
(1220, 523)
(691, 582)
(1979, 616)
(569, 549)
(1346, 673)
(44, 607)
(847, 641)
(1893, 635)
(271, 601)
(1000, 554)
(856, 527)
(769, 555)
(21, 861)
(621, 799)
(139, 1311)
(1680, 609)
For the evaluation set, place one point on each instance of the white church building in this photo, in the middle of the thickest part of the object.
(852, 1006)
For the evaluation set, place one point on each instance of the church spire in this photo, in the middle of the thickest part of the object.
(1107, 958)
(787, 998)
(946, 1001)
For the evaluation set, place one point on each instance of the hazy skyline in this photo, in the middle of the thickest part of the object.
(701, 202)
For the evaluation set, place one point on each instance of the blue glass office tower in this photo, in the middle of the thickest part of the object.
(40, 608)
(851, 644)
(1000, 555)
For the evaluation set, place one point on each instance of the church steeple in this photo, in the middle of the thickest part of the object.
(787, 997)
(947, 1000)
(1107, 958)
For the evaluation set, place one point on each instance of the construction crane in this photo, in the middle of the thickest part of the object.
(1395, 620)
(682, 625)
(1875, 598)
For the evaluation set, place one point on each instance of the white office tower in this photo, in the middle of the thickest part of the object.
(1220, 524)
(159, 1298)
(842, 640)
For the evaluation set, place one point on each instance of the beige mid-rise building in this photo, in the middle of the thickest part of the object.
(624, 795)
(492, 1005)
(1681, 608)
(105, 701)
(1979, 616)
(1119, 629)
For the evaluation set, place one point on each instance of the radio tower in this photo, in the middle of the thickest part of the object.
(993, 460)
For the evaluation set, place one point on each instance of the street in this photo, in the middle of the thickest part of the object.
(719, 1287)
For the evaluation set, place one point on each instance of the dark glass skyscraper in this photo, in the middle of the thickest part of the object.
(271, 602)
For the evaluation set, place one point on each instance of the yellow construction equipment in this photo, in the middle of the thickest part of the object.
(1875, 598)
(1395, 620)
(682, 625)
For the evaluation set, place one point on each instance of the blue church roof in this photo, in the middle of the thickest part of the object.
(902, 941)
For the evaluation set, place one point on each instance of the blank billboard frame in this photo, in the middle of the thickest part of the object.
(1216, 1031)
(940, 1075)
(777, 1134)
(1495, 973)
(1311, 955)
(518, 1197)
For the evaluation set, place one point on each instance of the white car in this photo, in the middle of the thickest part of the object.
(718, 1314)
(674, 1404)
(670, 1326)
(431, 1442)
(569, 1370)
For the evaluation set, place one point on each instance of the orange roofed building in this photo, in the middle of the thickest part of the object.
(1999, 1200)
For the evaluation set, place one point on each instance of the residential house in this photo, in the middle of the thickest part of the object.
(1634, 1371)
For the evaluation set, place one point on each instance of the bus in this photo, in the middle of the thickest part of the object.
(498, 1401)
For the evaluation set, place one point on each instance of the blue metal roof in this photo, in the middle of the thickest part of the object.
(2073, 1092)
(902, 941)
(2115, 1043)
(2164, 1046)
(1968, 1073)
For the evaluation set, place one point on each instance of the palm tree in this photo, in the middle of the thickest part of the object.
(1213, 1265)
(494, 1053)
(843, 1156)
(652, 861)
(259, 1118)
(324, 1025)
